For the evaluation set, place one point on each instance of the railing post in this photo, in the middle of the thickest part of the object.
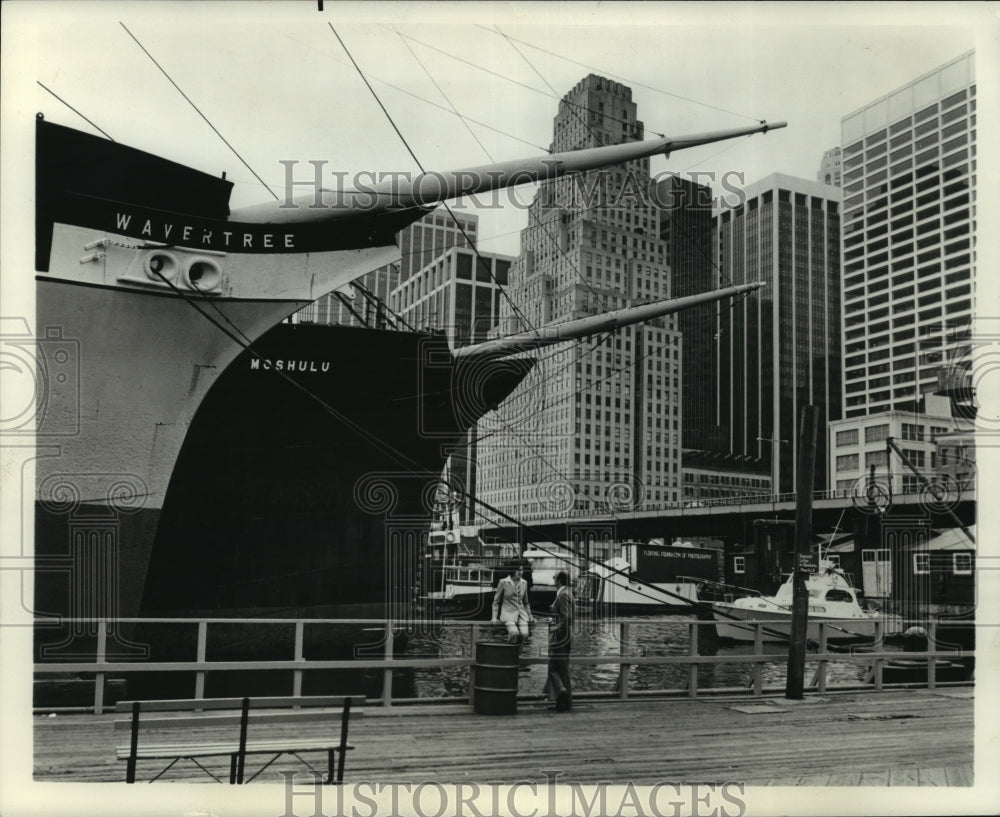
(300, 655)
(623, 667)
(102, 650)
(199, 676)
(387, 672)
(821, 669)
(474, 637)
(693, 626)
(758, 650)
(932, 646)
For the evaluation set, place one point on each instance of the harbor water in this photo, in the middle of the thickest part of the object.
(648, 636)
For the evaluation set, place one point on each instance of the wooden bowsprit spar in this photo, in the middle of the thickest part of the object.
(595, 324)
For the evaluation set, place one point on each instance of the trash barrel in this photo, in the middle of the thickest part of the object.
(495, 687)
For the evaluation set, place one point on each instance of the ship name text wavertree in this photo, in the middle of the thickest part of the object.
(202, 236)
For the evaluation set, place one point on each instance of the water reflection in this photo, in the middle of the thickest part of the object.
(648, 636)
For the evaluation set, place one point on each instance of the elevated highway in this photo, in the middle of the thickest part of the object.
(731, 519)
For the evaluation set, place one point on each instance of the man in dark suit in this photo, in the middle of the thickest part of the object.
(560, 644)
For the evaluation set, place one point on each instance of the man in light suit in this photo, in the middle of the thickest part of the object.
(510, 605)
(560, 644)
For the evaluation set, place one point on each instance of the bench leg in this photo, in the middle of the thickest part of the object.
(133, 745)
(241, 761)
(345, 719)
(232, 770)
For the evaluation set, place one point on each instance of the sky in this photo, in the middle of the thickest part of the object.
(275, 82)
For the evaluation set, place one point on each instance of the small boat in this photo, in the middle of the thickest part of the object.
(914, 671)
(912, 668)
(650, 578)
(832, 598)
(461, 572)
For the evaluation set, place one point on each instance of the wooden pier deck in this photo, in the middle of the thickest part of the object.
(908, 737)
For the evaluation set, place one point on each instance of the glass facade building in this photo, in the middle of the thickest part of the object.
(909, 219)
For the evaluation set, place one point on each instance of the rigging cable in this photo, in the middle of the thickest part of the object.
(74, 110)
(515, 82)
(216, 130)
(618, 76)
(532, 213)
(406, 144)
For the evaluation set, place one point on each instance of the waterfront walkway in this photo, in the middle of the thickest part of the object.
(911, 737)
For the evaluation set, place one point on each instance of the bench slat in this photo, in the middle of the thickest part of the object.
(262, 718)
(278, 702)
(219, 749)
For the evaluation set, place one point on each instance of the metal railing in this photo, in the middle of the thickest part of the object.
(911, 494)
(102, 666)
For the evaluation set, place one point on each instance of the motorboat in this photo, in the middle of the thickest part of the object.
(832, 599)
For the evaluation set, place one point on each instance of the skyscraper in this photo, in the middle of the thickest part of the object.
(909, 238)
(830, 167)
(685, 214)
(598, 425)
(780, 350)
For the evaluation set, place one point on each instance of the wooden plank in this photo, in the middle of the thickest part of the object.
(848, 779)
(903, 776)
(875, 778)
(933, 777)
(960, 775)
(815, 744)
(814, 780)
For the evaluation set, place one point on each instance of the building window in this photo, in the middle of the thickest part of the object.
(962, 564)
(877, 458)
(740, 564)
(874, 434)
(834, 559)
(847, 462)
(921, 564)
(849, 437)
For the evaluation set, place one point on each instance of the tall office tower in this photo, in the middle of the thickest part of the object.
(457, 293)
(780, 348)
(419, 244)
(830, 167)
(909, 238)
(597, 425)
(685, 213)
(425, 240)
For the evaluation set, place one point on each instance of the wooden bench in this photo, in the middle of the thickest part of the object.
(289, 710)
